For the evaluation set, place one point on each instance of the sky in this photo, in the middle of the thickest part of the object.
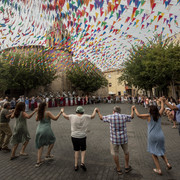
(102, 31)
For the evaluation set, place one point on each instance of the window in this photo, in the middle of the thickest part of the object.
(119, 93)
(110, 84)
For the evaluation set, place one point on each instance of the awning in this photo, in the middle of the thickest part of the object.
(111, 92)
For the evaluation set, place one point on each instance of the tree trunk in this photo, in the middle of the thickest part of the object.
(151, 93)
(173, 93)
(26, 93)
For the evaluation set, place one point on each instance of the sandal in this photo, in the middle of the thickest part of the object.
(157, 171)
(13, 157)
(39, 164)
(23, 154)
(83, 167)
(119, 172)
(50, 157)
(168, 166)
(76, 168)
(128, 169)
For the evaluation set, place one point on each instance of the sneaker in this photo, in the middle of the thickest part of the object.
(39, 164)
(83, 167)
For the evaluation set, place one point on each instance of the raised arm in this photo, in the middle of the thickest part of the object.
(162, 106)
(11, 115)
(142, 116)
(51, 116)
(172, 107)
(94, 113)
(99, 114)
(28, 116)
(132, 112)
(64, 114)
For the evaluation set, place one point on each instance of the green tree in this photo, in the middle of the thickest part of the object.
(172, 59)
(25, 72)
(155, 64)
(86, 77)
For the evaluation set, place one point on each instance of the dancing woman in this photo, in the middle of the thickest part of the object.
(20, 131)
(155, 135)
(44, 133)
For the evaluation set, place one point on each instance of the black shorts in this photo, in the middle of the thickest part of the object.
(79, 143)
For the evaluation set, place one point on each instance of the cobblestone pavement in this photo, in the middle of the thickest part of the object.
(99, 162)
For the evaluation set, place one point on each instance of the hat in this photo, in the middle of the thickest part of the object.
(80, 109)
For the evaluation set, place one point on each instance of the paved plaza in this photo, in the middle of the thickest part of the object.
(99, 162)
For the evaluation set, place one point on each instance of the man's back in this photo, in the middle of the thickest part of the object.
(118, 130)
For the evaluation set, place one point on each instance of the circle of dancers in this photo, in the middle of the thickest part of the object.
(79, 123)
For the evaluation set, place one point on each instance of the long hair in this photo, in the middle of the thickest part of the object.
(154, 112)
(19, 107)
(173, 100)
(41, 109)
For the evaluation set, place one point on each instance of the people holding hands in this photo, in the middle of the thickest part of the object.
(118, 135)
(79, 123)
(155, 135)
(44, 133)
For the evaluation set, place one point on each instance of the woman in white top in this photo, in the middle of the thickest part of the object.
(79, 122)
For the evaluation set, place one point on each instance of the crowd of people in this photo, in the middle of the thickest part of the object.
(79, 124)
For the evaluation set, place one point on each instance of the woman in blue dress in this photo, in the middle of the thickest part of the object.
(44, 133)
(155, 135)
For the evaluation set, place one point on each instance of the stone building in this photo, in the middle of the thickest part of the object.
(114, 86)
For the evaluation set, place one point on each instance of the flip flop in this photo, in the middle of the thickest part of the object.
(157, 171)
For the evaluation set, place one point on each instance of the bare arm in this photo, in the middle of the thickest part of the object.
(12, 115)
(99, 114)
(162, 107)
(8, 116)
(171, 106)
(64, 114)
(28, 116)
(132, 112)
(36, 118)
(93, 114)
(51, 116)
(142, 116)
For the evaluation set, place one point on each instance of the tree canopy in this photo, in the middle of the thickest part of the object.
(24, 72)
(156, 64)
(86, 77)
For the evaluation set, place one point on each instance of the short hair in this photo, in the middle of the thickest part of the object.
(117, 109)
(6, 104)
